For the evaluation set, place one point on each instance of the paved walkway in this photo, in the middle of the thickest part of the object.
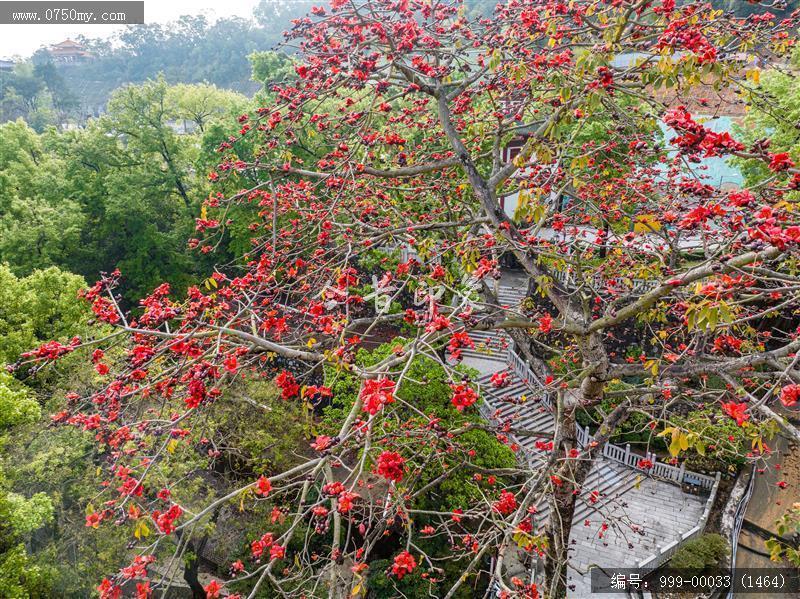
(641, 513)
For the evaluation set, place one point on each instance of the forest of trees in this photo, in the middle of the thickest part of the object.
(220, 375)
(189, 50)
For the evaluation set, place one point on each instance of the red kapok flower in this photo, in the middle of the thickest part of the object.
(375, 394)
(737, 411)
(322, 442)
(404, 563)
(165, 520)
(780, 162)
(346, 500)
(231, 363)
(790, 395)
(499, 380)
(277, 552)
(391, 466)
(463, 396)
(506, 504)
(108, 590)
(263, 486)
(237, 567)
(288, 384)
(93, 520)
(258, 546)
(212, 590)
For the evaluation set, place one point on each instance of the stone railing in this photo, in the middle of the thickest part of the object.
(638, 286)
(661, 470)
(527, 376)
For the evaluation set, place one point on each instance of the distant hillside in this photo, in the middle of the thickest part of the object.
(190, 50)
(50, 89)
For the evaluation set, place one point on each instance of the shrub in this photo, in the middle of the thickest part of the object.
(698, 554)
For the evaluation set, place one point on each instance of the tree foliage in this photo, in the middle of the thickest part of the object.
(123, 192)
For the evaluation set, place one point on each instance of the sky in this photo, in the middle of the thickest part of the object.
(23, 40)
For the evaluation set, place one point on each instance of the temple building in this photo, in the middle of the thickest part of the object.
(69, 51)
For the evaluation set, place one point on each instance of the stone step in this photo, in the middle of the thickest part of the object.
(513, 394)
(490, 362)
(515, 389)
(487, 335)
(536, 422)
(614, 492)
(516, 413)
(510, 296)
(481, 349)
(611, 481)
(487, 343)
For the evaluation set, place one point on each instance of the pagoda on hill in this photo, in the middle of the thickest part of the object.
(69, 51)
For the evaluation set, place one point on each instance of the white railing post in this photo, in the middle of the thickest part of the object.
(627, 454)
(681, 472)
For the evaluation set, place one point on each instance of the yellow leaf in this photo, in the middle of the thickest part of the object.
(675, 446)
(172, 445)
(522, 539)
(644, 223)
(244, 495)
(141, 530)
(683, 441)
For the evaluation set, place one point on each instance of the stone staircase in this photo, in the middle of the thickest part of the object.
(642, 513)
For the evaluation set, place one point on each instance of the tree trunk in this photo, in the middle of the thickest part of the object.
(567, 484)
(191, 568)
(570, 477)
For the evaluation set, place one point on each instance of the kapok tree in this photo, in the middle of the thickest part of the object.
(394, 134)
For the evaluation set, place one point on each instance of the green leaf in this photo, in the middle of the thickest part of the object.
(700, 447)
